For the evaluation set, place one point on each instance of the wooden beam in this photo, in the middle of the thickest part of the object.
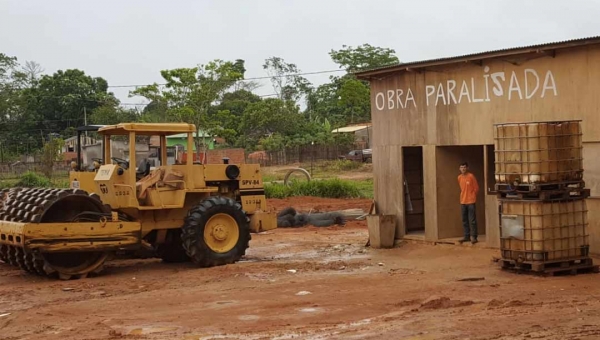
(516, 63)
(548, 53)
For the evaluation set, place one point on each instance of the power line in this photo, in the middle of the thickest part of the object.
(246, 79)
(143, 104)
(89, 100)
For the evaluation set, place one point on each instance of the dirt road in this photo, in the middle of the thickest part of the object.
(307, 283)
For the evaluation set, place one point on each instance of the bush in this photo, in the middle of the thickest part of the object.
(330, 188)
(276, 190)
(61, 183)
(341, 165)
(31, 179)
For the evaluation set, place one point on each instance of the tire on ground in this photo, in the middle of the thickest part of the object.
(286, 221)
(287, 211)
(192, 232)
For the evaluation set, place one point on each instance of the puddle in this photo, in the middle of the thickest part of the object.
(221, 304)
(361, 323)
(151, 330)
(248, 317)
(310, 310)
(225, 302)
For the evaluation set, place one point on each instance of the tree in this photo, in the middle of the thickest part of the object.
(354, 100)
(110, 114)
(267, 117)
(155, 112)
(249, 86)
(51, 153)
(229, 112)
(190, 92)
(236, 102)
(8, 87)
(30, 74)
(287, 82)
(15, 120)
(7, 67)
(61, 100)
(346, 100)
(363, 57)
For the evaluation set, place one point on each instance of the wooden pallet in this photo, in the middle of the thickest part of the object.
(537, 187)
(552, 268)
(550, 195)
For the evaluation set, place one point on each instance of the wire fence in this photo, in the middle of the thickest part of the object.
(17, 169)
(286, 156)
(299, 154)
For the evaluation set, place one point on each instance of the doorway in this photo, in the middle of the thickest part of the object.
(414, 209)
(448, 160)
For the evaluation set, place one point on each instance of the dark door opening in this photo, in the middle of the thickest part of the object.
(448, 160)
(414, 212)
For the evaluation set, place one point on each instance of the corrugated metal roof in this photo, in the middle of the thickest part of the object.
(184, 135)
(480, 55)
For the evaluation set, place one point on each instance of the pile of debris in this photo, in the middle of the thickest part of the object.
(289, 218)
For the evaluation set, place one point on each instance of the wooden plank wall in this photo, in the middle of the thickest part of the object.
(575, 73)
(430, 192)
(387, 163)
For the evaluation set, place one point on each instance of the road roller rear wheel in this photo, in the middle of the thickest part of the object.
(216, 232)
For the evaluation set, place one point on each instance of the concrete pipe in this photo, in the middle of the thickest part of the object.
(300, 170)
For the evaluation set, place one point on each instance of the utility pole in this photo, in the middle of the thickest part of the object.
(85, 122)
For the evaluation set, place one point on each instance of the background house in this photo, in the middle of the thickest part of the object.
(363, 133)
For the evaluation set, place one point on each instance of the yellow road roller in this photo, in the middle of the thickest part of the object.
(196, 212)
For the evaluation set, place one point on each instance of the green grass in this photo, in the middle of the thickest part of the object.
(365, 187)
(331, 169)
(342, 165)
(8, 183)
(321, 169)
(330, 188)
(31, 179)
(271, 178)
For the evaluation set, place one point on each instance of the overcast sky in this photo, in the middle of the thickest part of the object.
(129, 42)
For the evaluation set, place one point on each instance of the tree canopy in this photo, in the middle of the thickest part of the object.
(214, 96)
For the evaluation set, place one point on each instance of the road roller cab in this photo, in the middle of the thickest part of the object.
(82, 173)
(202, 213)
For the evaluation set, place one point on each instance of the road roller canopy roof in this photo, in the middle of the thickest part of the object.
(147, 129)
(90, 127)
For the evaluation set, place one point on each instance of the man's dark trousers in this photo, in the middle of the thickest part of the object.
(469, 218)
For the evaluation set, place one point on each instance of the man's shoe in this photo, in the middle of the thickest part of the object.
(463, 240)
(474, 241)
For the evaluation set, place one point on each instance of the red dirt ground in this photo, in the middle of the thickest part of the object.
(306, 283)
(319, 204)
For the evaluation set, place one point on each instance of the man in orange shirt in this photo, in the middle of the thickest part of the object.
(468, 197)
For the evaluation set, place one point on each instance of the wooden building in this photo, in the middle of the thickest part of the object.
(429, 116)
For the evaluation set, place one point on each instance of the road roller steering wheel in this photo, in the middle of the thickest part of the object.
(121, 162)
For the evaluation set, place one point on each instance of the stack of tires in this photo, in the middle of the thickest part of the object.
(289, 218)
